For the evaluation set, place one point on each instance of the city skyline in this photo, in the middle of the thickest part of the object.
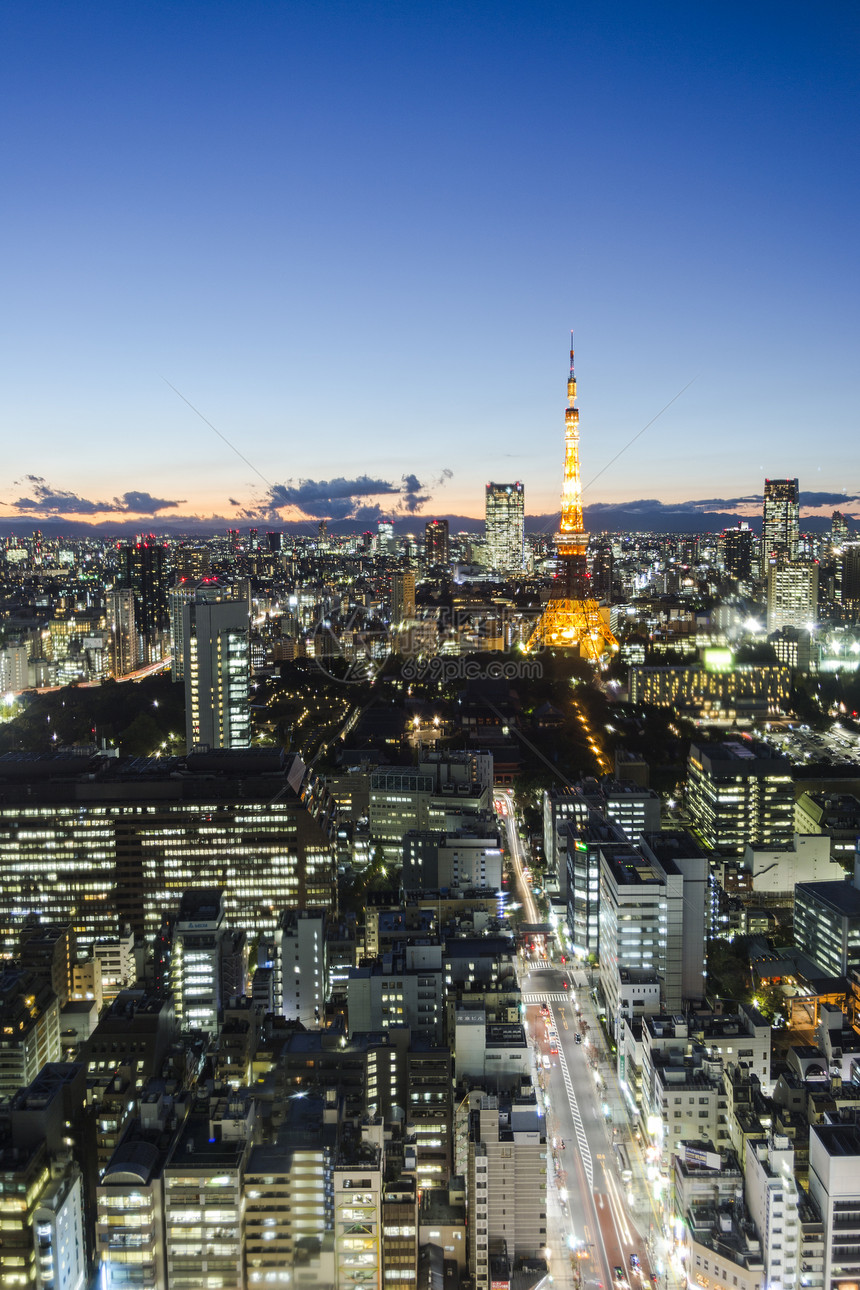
(306, 263)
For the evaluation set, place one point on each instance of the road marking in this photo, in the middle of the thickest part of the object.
(584, 1149)
(530, 998)
(540, 965)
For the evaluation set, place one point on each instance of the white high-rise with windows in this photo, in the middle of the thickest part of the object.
(122, 631)
(217, 669)
(792, 595)
(303, 965)
(505, 521)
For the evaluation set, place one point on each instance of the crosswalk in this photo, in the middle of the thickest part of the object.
(584, 1149)
(540, 965)
(560, 997)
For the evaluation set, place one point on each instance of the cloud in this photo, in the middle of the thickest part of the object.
(828, 499)
(724, 503)
(46, 500)
(350, 499)
(327, 499)
(412, 495)
(145, 504)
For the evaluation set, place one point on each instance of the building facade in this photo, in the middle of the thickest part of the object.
(505, 526)
(780, 520)
(216, 670)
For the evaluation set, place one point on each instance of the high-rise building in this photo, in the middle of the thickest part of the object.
(792, 594)
(13, 669)
(358, 1174)
(602, 564)
(234, 819)
(215, 631)
(123, 631)
(827, 925)
(190, 564)
(834, 1186)
(780, 519)
(177, 598)
(505, 526)
(274, 540)
(41, 1209)
(208, 1162)
(289, 1201)
(849, 581)
(202, 967)
(653, 903)
(738, 551)
(145, 573)
(838, 529)
(30, 1021)
(740, 792)
(402, 596)
(507, 1155)
(385, 536)
(436, 542)
(300, 964)
(48, 950)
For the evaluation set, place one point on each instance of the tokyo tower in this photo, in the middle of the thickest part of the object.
(572, 617)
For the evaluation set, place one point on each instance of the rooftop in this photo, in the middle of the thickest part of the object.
(840, 897)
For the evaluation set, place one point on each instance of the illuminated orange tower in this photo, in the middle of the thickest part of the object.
(572, 617)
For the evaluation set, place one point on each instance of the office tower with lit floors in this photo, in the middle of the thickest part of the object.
(737, 550)
(740, 792)
(792, 594)
(123, 631)
(385, 537)
(216, 665)
(402, 596)
(206, 960)
(505, 526)
(436, 542)
(780, 520)
(145, 573)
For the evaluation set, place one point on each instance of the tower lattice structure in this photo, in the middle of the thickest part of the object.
(572, 617)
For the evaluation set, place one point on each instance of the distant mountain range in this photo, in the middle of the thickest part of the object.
(637, 517)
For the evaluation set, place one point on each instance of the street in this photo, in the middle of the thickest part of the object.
(594, 1221)
(598, 1224)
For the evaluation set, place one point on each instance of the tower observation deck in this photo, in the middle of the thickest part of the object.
(572, 618)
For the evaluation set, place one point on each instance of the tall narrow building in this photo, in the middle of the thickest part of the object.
(572, 618)
(216, 666)
(780, 520)
(505, 526)
(436, 542)
(145, 573)
(402, 596)
(792, 594)
(737, 547)
(122, 631)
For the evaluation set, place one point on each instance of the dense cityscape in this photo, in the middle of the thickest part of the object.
(430, 908)
(429, 749)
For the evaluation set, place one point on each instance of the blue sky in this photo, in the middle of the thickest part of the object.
(354, 236)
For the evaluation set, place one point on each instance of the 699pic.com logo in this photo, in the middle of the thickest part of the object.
(349, 654)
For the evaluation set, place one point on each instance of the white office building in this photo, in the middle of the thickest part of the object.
(216, 669)
(303, 965)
